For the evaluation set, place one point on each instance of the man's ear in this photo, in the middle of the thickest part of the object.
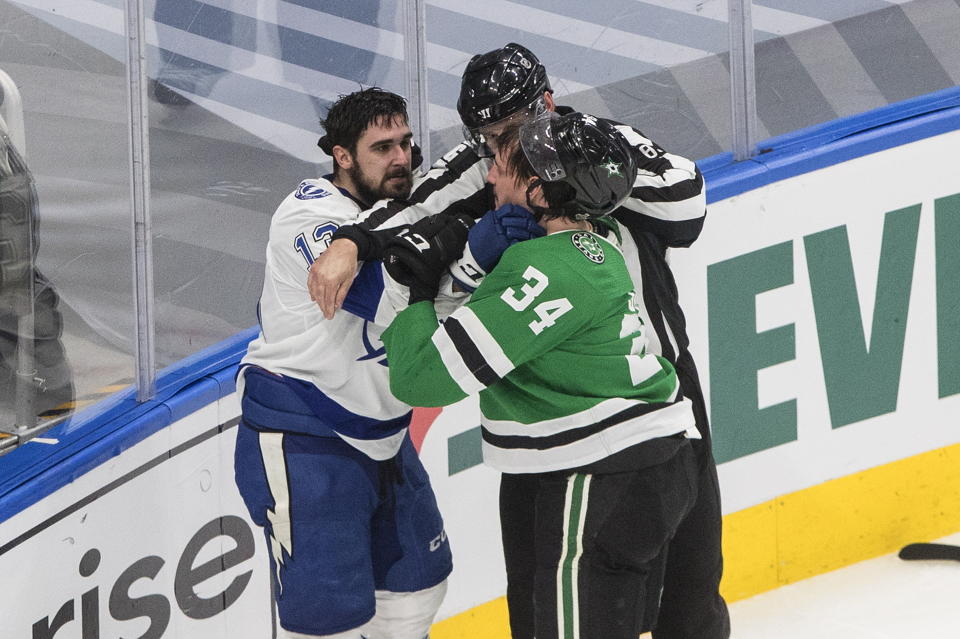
(535, 192)
(343, 157)
(548, 100)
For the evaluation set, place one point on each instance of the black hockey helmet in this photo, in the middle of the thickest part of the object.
(585, 152)
(498, 84)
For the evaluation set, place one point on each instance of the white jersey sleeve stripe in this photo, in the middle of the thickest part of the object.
(456, 367)
(690, 209)
(488, 346)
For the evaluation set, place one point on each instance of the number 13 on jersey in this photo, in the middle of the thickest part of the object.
(548, 311)
(322, 234)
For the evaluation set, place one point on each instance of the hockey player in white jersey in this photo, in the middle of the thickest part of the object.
(323, 460)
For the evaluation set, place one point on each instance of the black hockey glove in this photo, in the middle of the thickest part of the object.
(370, 244)
(417, 257)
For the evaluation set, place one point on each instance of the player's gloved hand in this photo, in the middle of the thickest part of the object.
(498, 230)
(493, 234)
(418, 257)
(370, 243)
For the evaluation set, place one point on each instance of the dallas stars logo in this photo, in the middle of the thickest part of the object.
(613, 168)
(588, 245)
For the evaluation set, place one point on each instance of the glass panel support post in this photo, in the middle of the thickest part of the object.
(415, 44)
(140, 200)
(743, 92)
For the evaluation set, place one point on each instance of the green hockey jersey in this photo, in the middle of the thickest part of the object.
(553, 342)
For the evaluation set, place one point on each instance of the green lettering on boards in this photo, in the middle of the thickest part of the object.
(947, 222)
(738, 351)
(464, 451)
(862, 380)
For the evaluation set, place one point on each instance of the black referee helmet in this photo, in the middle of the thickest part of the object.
(498, 84)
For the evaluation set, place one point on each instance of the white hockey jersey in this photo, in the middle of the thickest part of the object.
(342, 358)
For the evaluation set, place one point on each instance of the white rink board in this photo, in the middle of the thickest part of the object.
(138, 512)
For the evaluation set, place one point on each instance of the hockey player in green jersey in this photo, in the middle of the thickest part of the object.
(553, 342)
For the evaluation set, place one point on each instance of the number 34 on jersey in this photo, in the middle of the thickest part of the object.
(548, 311)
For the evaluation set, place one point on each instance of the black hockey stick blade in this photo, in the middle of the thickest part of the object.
(930, 551)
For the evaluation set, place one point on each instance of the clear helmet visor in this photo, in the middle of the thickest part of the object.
(484, 138)
(539, 145)
(479, 141)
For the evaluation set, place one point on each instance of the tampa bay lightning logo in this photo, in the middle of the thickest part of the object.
(372, 353)
(307, 191)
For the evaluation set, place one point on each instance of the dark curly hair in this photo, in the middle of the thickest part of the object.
(351, 114)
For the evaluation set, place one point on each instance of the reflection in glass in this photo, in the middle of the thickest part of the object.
(820, 61)
(63, 59)
(35, 378)
(239, 91)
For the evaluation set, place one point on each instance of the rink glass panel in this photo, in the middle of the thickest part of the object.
(235, 89)
(76, 154)
(236, 92)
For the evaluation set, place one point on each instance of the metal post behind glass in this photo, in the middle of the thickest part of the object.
(415, 38)
(140, 200)
(742, 79)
